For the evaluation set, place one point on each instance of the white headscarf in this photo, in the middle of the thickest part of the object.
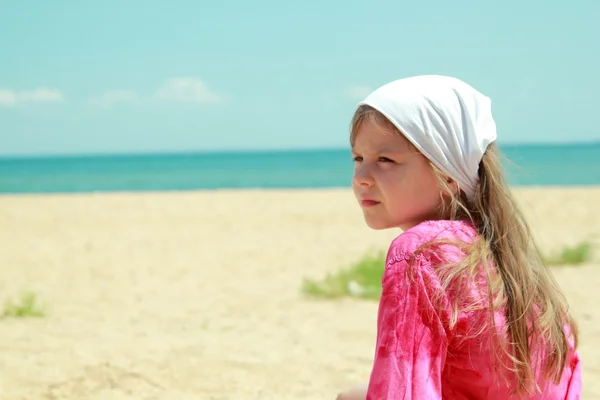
(447, 120)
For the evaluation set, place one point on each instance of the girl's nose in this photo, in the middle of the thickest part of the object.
(362, 177)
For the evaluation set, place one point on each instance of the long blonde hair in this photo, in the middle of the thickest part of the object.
(519, 283)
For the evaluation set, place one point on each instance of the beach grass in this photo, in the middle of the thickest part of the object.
(361, 279)
(26, 306)
(571, 255)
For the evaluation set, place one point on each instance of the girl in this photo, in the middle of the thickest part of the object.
(467, 310)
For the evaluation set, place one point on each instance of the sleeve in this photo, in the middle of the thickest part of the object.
(411, 342)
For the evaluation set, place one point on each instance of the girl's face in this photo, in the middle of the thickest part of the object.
(393, 182)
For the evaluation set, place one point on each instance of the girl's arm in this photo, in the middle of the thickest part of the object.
(411, 340)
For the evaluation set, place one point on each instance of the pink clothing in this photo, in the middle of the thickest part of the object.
(418, 356)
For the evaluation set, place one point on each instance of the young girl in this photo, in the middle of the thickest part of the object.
(467, 310)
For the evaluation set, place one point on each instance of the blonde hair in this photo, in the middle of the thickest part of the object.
(519, 283)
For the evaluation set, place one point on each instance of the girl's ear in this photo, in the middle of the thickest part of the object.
(452, 185)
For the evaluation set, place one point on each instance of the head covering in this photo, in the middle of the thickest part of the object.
(447, 120)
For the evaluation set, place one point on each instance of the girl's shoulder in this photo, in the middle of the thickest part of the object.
(416, 238)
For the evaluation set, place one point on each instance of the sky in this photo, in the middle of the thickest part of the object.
(81, 77)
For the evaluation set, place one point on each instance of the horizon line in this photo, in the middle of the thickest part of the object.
(296, 149)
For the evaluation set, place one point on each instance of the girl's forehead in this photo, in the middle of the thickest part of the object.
(378, 136)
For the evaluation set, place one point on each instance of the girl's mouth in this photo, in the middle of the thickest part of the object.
(368, 203)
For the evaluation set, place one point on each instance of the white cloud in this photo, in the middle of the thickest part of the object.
(7, 98)
(187, 89)
(181, 89)
(358, 92)
(39, 95)
(111, 97)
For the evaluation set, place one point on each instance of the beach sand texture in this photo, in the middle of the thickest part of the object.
(196, 295)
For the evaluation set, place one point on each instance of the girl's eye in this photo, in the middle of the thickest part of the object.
(357, 159)
(385, 159)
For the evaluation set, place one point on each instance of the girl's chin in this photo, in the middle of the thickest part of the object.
(378, 224)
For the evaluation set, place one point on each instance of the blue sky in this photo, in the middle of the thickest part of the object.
(157, 76)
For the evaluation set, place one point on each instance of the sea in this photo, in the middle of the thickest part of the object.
(525, 165)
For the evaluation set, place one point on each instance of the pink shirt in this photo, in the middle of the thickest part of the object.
(417, 355)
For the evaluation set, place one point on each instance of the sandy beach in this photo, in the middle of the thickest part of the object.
(196, 295)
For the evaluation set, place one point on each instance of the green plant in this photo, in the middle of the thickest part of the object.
(26, 306)
(571, 255)
(363, 278)
(359, 280)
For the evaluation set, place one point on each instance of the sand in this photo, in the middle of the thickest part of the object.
(197, 295)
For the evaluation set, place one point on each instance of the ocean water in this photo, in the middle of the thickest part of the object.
(537, 165)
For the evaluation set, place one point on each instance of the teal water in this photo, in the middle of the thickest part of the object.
(528, 165)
